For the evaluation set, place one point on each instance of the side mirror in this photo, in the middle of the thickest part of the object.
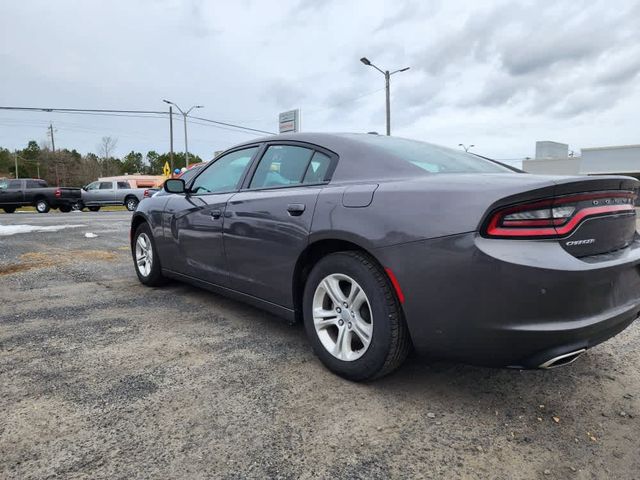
(175, 185)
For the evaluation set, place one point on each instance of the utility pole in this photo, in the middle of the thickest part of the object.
(53, 150)
(171, 137)
(387, 76)
(53, 142)
(15, 156)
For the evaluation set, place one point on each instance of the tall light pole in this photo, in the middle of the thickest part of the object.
(466, 147)
(387, 76)
(184, 116)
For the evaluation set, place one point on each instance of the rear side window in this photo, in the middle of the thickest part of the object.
(123, 185)
(317, 169)
(106, 186)
(282, 165)
(35, 184)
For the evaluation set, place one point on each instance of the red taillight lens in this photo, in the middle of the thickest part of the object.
(58, 193)
(146, 194)
(555, 217)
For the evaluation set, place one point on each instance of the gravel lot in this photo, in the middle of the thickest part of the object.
(101, 377)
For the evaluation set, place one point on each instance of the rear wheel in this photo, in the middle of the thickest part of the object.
(65, 209)
(145, 257)
(131, 203)
(93, 209)
(353, 318)
(9, 209)
(42, 206)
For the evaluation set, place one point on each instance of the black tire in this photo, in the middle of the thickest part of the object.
(154, 278)
(65, 208)
(42, 206)
(390, 342)
(9, 209)
(93, 209)
(77, 206)
(131, 203)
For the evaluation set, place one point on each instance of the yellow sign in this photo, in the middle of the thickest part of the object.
(166, 169)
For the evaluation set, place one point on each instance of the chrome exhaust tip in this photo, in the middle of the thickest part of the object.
(562, 360)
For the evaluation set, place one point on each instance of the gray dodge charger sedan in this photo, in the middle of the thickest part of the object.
(382, 244)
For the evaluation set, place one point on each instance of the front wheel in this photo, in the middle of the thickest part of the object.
(42, 206)
(353, 318)
(93, 209)
(131, 203)
(145, 257)
(65, 209)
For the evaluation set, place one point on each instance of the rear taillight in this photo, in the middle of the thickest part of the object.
(58, 193)
(146, 194)
(556, 217)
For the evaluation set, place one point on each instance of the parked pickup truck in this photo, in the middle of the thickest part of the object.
(102, 193)
(35, 192)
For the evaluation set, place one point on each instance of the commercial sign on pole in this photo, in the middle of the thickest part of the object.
(289, 121)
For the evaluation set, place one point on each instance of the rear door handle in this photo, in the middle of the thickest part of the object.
(215, 214)
(295, 209)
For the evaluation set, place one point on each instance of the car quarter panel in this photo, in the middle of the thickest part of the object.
(408, 210)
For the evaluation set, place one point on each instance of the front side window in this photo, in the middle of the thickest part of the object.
(224, 174)
(15, 185)
(282, 165)
(92, 186)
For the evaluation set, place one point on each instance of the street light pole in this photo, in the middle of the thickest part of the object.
(184, 116)
(466, 148)
(387, 77)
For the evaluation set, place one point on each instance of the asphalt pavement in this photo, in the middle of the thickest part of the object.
(101, 377)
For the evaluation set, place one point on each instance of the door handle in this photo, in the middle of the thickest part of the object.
(215, 214)
(295, 209)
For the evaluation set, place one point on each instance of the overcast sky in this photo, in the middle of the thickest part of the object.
(497, 74)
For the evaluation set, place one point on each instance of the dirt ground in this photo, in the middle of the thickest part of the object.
(101, 377)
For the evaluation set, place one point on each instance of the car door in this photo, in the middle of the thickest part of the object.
(91, 193)
(11, 192)
(106, 193)
(267, 224)
(193, 222)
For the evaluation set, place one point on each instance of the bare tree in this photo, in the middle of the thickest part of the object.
(107, 146)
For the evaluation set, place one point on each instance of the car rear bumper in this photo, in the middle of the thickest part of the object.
(514, 303)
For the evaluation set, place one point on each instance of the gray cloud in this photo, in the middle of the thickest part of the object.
(479, 66)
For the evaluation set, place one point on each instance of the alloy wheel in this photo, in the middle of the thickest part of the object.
(144, 254)
(342, 317)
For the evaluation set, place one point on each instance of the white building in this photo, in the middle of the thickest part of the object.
(553, 158)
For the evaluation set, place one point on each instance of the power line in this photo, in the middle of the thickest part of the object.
(131, 113)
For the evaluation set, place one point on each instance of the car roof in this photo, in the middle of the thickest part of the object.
(359, 159)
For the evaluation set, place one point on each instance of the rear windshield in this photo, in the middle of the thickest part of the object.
(433, 158)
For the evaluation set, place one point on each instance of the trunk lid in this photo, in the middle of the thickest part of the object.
(589, 215)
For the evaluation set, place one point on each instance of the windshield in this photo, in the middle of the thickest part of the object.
(433, 158)
(192, 172)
